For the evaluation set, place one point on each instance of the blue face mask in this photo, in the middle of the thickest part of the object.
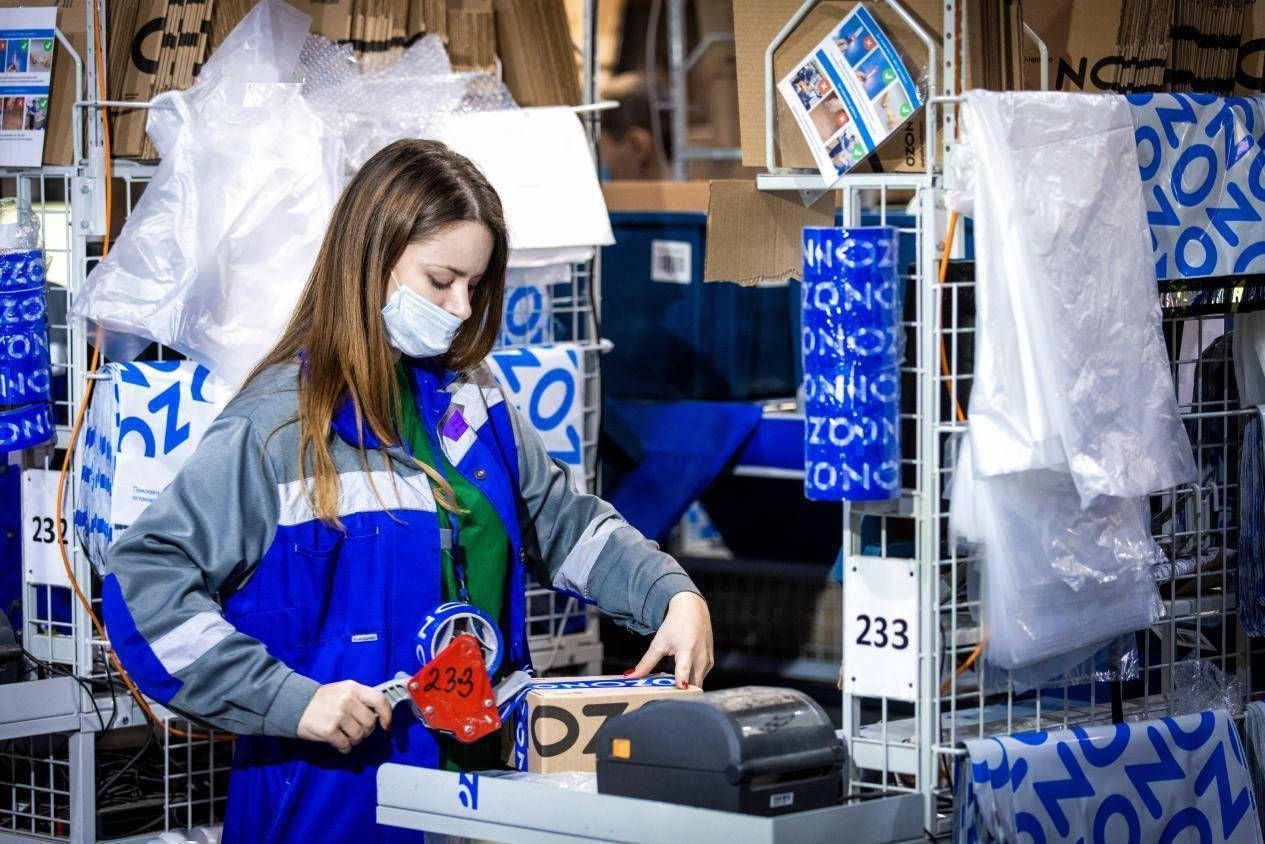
(416, 326)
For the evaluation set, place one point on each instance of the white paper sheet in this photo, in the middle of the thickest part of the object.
(539, 161)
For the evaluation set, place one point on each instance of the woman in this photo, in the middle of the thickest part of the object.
(284, 572)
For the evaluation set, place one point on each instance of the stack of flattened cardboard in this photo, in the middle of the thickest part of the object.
(380, 30)
(1092, 49)
(471, 35)
(160, 45)
(536, 52)
(993, 37)
(228, 14)
(435, 17)
(1144, 43)
(155, 46)
(1179, 45)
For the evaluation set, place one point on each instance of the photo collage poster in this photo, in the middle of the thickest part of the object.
(27, 42)
(850, 94)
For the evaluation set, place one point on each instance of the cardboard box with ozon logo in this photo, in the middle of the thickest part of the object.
(552, 724)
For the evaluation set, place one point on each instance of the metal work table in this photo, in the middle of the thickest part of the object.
(492, 808)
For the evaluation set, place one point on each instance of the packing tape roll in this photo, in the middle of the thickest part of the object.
(447, 621)
(852, 342)
(26, 427)
(24, 354)
(21, 269)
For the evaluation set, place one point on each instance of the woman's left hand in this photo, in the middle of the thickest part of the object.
(686, 634)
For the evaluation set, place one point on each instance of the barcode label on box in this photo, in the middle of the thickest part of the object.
(778, 801)
(670, 261)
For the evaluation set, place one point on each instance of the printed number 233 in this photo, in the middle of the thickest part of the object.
(880, 632)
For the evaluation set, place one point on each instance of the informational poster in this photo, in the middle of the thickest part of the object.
(850, 94)
(27, 41)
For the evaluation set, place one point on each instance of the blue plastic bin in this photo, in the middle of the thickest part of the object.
(679, 338)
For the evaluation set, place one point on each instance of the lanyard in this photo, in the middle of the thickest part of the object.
(451, 546)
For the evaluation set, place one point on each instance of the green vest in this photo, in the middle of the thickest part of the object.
(483, 538)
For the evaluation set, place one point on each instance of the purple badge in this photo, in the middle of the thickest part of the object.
(455, 426)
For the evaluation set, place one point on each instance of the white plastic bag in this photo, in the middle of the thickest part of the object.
(213, 257)
(1071, 372)
(1057, 579)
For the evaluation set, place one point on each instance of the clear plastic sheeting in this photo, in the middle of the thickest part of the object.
(1070, 369)
(235, 212)
(1115, 661)
(1058, 580)
(19, 228)
(412, 98)
(1199, 685)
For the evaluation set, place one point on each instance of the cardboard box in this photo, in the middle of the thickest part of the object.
(1081, 36)
(552, 727)
(757, 22)
(656, 196)
(754, 236)
(59, 144)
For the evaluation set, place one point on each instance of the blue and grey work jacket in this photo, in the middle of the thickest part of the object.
(230, 602)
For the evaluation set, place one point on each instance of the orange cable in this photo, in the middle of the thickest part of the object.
(944, 366)
(79, 417)
(944, 357)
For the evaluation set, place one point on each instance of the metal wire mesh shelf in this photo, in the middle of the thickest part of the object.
(909, 747)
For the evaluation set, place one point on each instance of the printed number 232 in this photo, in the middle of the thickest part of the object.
(878, 625)
(44, 531)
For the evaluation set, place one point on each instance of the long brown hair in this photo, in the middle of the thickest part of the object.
(406, 193)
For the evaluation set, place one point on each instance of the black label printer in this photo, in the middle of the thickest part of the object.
(755, 750)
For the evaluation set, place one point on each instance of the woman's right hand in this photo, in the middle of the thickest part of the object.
(344, 714)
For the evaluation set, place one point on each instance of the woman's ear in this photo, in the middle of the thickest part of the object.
(641, 144)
